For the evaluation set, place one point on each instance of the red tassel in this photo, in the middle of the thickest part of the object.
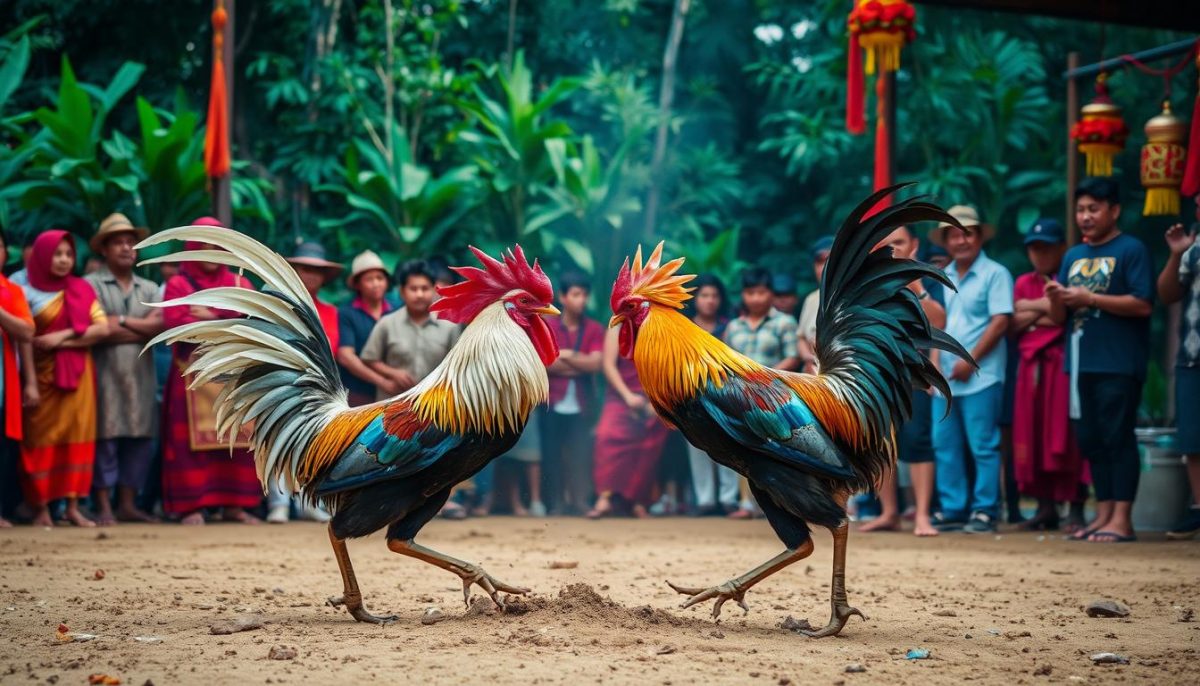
(856, 116)
(883, 159)
(1191, 173)
(216, 137)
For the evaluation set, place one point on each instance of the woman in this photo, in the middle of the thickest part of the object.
(195, 478)
(59, 450)
(629, 438)
(16, 328)
(719, 493)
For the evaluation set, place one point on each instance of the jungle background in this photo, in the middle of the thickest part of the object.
(415, 128)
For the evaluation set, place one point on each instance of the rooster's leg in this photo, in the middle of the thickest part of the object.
(351, 597)
(469, 573)
(841, 608)
(735, 589)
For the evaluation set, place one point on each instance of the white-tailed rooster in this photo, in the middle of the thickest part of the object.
(393, 463)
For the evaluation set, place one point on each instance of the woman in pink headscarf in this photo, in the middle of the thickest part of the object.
(196, 478)
(59, 448)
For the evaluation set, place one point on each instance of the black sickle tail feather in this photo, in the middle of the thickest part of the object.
(872, 328)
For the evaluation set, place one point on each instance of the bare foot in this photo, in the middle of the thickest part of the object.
(881, 524)
(603, 508)
(639, 511)
(76, 517)
(193, 519)
(106, 519)
(740, 513)
(42, 517)
(924, 528)
(237, 514)
(133, 514)
(520, 511)
(5, 524)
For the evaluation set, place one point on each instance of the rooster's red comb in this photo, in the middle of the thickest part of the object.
(462, 301)
(653, 281)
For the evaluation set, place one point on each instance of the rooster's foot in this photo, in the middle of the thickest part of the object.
(729, 590)
(841, 614)
(358, 612)
(474, 575)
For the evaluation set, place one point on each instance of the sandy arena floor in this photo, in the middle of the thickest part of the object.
(1000, 610)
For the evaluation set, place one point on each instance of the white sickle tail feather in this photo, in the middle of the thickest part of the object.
(276, 363)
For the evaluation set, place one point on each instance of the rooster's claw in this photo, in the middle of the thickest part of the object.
(474, 574)
(726, 591)
(358, 612)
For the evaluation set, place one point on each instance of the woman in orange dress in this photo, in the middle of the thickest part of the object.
(59, 447)
(16, 328)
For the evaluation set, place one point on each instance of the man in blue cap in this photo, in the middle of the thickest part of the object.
(783, 291)
(1046, 462)
(807, 340)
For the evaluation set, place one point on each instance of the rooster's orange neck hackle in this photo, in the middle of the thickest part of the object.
(676, 359)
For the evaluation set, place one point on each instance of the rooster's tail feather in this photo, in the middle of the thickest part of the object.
(872, 327)
(276, 364)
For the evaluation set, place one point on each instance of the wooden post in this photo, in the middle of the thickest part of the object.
(1072, 154)
(890, 123)
(222, 197)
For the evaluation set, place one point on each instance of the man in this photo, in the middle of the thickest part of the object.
(913, 441)
(1106, 287)
(766, 336)
(977, 315)
(566, 463)
(314, 271)
(127, 411)
(1176, 283)
(409, 343)
(1046, 461)
(368, 280)
(783, 288)
(806, 341)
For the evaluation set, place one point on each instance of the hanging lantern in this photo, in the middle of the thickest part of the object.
(1162, 162)
(882, 27)
(1101, 132)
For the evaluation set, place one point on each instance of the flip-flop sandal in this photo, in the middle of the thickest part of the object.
(1082, 534)
(1112, 537)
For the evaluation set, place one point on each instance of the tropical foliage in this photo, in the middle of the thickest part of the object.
(415, 127)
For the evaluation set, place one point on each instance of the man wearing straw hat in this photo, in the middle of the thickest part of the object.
(977, 314)
(314, 271)
(126, 412)
(369, 280)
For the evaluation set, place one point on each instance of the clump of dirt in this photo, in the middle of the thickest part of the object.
(575, 600)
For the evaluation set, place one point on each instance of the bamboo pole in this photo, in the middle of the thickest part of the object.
(1072, 154)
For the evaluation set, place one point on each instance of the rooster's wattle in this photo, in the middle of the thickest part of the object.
(804, 442)
(392, 463)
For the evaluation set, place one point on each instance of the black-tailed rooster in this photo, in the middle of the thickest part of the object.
(804, 442)
(390, 464)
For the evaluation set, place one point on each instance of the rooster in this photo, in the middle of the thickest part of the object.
(393, 463)
(804, 442)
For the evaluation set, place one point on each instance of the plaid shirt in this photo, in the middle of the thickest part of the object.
(771, 343)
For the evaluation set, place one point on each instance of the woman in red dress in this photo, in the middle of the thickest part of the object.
(629, 438)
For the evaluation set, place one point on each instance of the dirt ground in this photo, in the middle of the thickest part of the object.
(1004, 609)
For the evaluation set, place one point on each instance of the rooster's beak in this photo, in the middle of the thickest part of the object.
(548, 310)
(616, 319)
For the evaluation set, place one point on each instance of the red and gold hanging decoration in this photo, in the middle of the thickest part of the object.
(1162, 162)
(1191, 175)
(881, 28)
(216, 138)
(1101, 132)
